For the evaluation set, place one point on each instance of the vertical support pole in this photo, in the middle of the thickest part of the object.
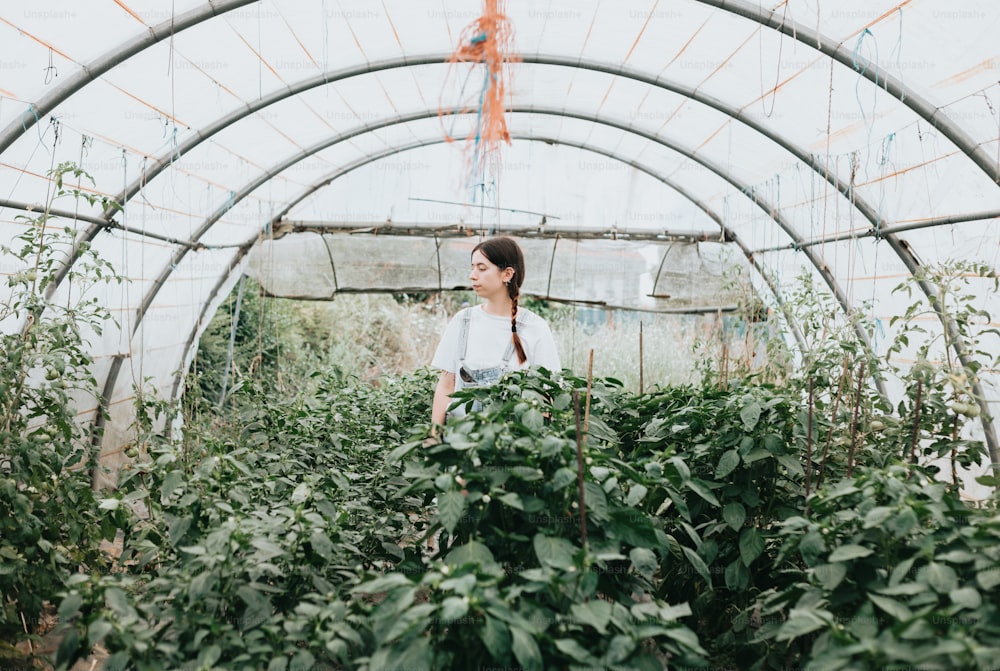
(641, 385)
(232, 341)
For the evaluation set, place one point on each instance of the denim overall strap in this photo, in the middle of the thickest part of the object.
(463, 341)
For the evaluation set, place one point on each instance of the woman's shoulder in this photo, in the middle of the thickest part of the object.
(528, 318)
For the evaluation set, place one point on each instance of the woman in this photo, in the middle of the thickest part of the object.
(483, 342)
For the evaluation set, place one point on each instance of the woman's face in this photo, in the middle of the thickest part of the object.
(487, 278)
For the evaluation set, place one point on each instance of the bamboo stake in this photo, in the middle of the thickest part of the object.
(641, 387)
(954, 452)
(809, 442)
(833, 418)
(590, 381)
(579, 468)
(854, 424)
(916, 422)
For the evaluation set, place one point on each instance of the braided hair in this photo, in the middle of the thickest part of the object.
(504, 252)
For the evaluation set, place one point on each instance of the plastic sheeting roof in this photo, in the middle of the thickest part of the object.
(855, 140)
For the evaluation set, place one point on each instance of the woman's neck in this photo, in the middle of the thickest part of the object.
(499, 307)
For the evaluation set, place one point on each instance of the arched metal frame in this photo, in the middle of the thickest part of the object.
(770, 19)
(244, 249)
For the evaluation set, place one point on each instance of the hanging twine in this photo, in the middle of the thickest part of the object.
(487, 41)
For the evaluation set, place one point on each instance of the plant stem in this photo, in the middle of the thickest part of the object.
(590, 382)
(916, 421)
(809, 442)
(833, 419)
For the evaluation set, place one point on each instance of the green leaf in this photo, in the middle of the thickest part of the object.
(511, 500)
(561, 478)
(258, 610)
(178, 528)
(109, 504)
(735, 515)
(966, 597)
(791, 464)
(554, 552)
(70, 606)
(119, 602)
(812, 546)
(533, 420)
(97, 630)
(901, 570)
(301, 493)
(799, 623)
(472, 552)
(671, 613)
(453, 608)
(451, 506)
(988, 578)
(321, 544)
(382, 583)
(575, 651)
(644, 561)
(526, 650)
(496, 637)
(830, 575)
(876, 516)
(171, 482)
(750, 414)
(902, 524)
(68, 648)
(635, 494)
(737, 576)
(700, 487)
(527, 473)
(698, 564)
(941, 577)
(891, 607)
(848, 552)
(727, 464)
(401, 451)
(751, 545)
(596, 501)
(596, 613)
(266, 549)
(757, 454)
(957, 556)
(209, 656)
(302, 661)
(619, 649)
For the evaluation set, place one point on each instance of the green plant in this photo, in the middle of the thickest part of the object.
(891, 570)
(941, 388)
(50, 524)
(543, 555)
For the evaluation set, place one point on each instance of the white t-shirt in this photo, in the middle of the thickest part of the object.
(489, 336)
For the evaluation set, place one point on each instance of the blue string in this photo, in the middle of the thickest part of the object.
(476, 164)
(857, 87)
(877, 334)
(897, 49)
(34, 113)
(883, 161)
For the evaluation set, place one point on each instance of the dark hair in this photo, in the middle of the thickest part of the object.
(504, 252)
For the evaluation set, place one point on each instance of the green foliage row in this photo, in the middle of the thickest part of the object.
(331, 533)
(50, 526)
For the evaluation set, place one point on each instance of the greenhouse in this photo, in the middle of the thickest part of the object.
(765, 236)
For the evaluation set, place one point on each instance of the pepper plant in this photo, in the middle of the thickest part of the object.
(50, 524)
